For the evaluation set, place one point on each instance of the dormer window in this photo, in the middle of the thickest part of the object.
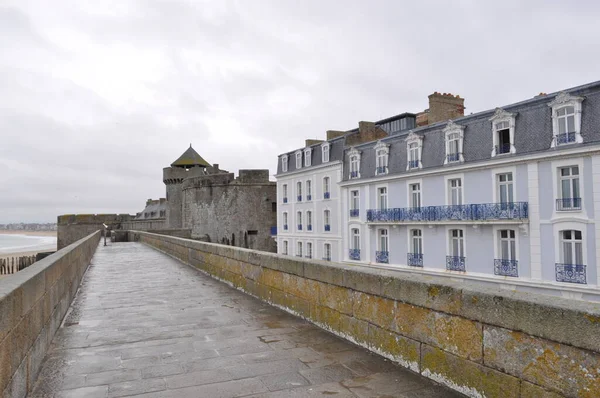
(503, 132)
(298, 160)
(414, 147)
(354, 156)
(454, 143)
(307, 157)
(325, 152)
(566, 119)
(284, 164)
(382, 152)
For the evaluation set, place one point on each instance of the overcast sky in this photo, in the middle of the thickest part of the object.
(96, 97)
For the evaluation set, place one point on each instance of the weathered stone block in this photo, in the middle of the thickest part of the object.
(374, 309)
(335, 297)
(466, 376)
(354, 329)
(305, 288)
(250, 271)
(297, 304)
(363, 280)
(572, 371)
(271, 278)
(398, 348)
(529, 390)
(284, 264)
(326, 317)
(326, 273)
(457, 335)
(5, 361)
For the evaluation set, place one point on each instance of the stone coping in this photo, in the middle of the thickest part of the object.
(571, 322)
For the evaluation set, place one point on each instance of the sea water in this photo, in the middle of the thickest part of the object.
(10, 243)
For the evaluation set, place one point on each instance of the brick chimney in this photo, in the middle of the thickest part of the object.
(310, 142)
(331, 134)
(443, 107)
(148, 202)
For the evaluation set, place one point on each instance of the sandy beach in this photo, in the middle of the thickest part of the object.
(47, 248)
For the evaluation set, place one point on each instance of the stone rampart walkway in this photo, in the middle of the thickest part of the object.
(145, 325)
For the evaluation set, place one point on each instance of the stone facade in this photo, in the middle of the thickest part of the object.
(72, 227)
(483, 342)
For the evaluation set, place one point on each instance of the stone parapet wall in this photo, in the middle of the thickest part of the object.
(479, 341)
(145, 225)
(33, 303)
(72, 227)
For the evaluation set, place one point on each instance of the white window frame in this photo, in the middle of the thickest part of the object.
(496, 186)
(503, 116)
(354, 238)
(380, 237)
(451, 239)
(284, 192)
(299, 191)
(354, 159)
(285, 248)
(498, 241)
(284, 164)
(299, 221)
(299, 249)
(325, 148)
(563, 100)
(327, 219)
(572, 226)
(410, 140)
(326, 186)
(451, 129)
(352, 207)
(382, 154)
(411, 237)
(326, 248)
(307, 157)
(285, 221)
(298, 160)
(447, 183)
(556, 166)
(409, 192)
(560, 178)
(382, 194)
(309, 249)
(308, 185)
(309, 220)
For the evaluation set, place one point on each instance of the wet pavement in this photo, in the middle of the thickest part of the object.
(146, 325)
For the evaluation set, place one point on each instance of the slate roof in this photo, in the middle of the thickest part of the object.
(533, 133)
(190, 158)
(153, 210)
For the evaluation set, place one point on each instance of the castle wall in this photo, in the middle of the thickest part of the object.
(238, 213)
(72, 227)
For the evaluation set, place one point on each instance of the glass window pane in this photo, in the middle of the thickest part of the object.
(576, 188)
(565, 189)
(570, 124)
(562, 126)
(504, 250)
(513, 250)
(578, 253)
(575, 170)
(578, 235)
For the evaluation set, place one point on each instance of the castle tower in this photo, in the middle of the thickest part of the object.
(189, 164)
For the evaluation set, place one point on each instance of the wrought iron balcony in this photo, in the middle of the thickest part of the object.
(326, 195)
(299, 227)
(414, 259)
(455, 263)
(506, 267)
(381, 170)
(566, 204)
(382, 257)
(309, 227)
(571, 273)
(453, 157)
(285, 200)
(273, 231)
(565, 138)
(354, 174)
(471, 212)
(326, 258)
(285, 227)
(327, 227)
(309, 197)
(299, 198)
(354, 212)
(354, 254)
(413, 164)
(502, 148)
(299, 255)
(308, 256)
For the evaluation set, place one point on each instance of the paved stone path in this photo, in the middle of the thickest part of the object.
(145, 325)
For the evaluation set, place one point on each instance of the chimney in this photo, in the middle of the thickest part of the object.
(311, 142)
(444, 107)
(331, 134)
(148, 202)
(367, 132)
(216, 166)
(162, 200)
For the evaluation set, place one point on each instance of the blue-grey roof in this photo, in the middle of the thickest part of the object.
(533, 133)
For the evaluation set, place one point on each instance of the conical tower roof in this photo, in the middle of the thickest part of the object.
(190, 158)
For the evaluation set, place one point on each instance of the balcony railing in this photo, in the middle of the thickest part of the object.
(309, 197)
(273, 231)
(299, 198)
(308, 256)
(326, 258)
(502, 148)
(506, 267)
(354, 174)
(299, 255)
(572, 273)
(565, 138)
(413, 164)
(455, 263)
(453, 157)
(327, 227)
(381, 170)
(472, 212)
(354, 212)
(382, 257)
(285, 200)
(299, 227)
(285, 227)
(326, 195)
(354, 254)
(414, 259)
(566, 204)
(309, 227)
